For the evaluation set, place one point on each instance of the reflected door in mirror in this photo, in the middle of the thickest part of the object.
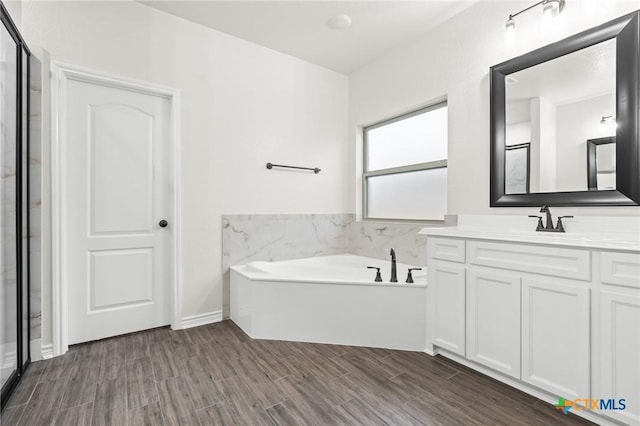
(601, 164)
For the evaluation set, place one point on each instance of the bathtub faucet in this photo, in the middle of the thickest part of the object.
(394, 272)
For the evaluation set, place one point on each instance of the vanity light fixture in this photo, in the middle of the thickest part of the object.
(608, 124)
(607, 119)
(550, 8)
(339, 22)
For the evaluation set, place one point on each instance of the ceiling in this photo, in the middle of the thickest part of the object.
(299, 27)
(580, 75)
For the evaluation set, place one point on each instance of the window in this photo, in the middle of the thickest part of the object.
(405, 166)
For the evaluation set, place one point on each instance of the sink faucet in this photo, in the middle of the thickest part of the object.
(394, 272)
(549, 226)
(545, 209)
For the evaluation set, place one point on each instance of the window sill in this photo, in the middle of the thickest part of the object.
(404, 221)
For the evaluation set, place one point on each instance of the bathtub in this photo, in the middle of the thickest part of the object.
(330, 299)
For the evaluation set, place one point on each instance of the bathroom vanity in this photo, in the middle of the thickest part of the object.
(555, 315)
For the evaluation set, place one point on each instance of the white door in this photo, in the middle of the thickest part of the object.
(493, 320)
(117, 187)
(556, 336)
(447, 282)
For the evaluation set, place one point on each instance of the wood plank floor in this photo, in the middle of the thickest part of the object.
(216, 375)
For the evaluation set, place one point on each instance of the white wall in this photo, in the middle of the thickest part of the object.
(242, 106)
(536, 146)
(548, 143)
(518, 133)
(14, 7)
(577, 122)
(453, 60)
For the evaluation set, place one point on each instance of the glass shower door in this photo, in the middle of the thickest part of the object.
(9, 360)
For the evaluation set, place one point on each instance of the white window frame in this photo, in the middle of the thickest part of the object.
(431, 165)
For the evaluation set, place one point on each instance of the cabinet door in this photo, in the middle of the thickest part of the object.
(447, 290)
(493, 320)
(555, 336)
(620, 353)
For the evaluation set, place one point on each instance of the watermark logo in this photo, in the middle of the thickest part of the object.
(564, 405)
(586, 404)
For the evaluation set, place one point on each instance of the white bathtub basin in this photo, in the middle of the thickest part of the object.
(330, 299)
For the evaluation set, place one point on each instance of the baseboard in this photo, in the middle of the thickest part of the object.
(201, 319)
(430, 351)
(47, 351)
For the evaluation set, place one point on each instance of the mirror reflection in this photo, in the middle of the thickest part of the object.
(601, 163)
(553, 111)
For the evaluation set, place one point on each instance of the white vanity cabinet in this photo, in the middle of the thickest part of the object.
(556, 336)
(447, 302)
(493, 320)
(529, 304)
(619, 327)
(556, 320)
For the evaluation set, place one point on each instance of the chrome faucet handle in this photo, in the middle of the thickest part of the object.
(560, 226)
(378, 276)
(540, 224)
(409, 276)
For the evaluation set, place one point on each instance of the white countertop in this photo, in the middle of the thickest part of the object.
(508, 230)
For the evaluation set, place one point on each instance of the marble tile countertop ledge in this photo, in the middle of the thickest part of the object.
(581, 236)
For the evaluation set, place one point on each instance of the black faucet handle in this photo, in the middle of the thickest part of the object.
(540, 224)
(409, 276)
(560, 226)
(378, 276)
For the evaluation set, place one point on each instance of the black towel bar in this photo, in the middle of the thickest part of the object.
(314, 169)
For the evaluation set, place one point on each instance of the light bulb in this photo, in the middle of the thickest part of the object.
(510, 25)
(339, 22)
(608, 125)
(551, 8)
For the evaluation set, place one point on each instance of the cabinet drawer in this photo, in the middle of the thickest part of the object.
(450, 249)
(620, 269)
(546, 260)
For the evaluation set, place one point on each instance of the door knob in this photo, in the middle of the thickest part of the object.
(163, 223)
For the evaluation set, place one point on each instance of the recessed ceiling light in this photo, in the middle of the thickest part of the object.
(339, 22)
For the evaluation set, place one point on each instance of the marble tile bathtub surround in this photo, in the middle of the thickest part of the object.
(374, 239)
(247, 238)
(273, 237)
(35, 197)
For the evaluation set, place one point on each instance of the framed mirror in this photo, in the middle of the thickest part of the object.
(555, 110)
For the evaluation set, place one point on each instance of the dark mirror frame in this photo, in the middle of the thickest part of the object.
(626, 31)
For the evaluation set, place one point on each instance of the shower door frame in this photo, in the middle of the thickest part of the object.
(22, 214)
